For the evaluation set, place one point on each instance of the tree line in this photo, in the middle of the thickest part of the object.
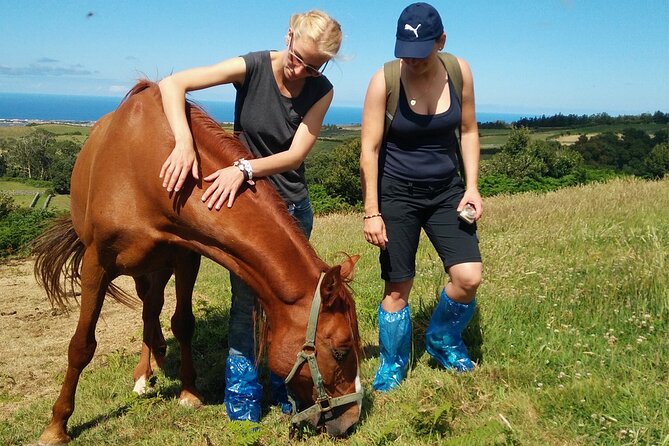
(521, 164)
(572, 120)
(632, 152)
(39, 156)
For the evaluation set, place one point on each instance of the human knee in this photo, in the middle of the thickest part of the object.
(396, 295)
(469, 284)
(466, 277)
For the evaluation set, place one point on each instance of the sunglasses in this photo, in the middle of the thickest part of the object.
(310, 69)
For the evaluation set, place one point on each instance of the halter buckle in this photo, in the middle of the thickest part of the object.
(324, 407)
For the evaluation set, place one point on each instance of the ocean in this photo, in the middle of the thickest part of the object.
(17, 108)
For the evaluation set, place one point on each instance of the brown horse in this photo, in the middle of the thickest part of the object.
(124, 223)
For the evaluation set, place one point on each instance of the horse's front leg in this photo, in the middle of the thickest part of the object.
(151, 290)
(183, 324)
(94, 282)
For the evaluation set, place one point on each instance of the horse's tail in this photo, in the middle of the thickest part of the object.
(58, 255)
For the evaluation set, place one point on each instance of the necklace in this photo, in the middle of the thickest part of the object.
(414, 99)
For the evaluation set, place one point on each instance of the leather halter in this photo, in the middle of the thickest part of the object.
(324, 402)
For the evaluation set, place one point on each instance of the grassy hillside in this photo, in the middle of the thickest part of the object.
(76, 133)
(570, 337)
(23, 195)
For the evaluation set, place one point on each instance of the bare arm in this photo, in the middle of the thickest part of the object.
(173, 89)
(373, 120)
(303, 141)
(469, 140)
(227, 181)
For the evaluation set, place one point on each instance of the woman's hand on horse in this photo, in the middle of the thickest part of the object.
(178, 165)
(225, 184)
(375, 232)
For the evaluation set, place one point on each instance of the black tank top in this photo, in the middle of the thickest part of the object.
(268, 120)
(422, 148)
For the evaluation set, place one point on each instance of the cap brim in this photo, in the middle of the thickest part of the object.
(414, 49)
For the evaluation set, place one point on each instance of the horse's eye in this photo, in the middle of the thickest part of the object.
(339, 354)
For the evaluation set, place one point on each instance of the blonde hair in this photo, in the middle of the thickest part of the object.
(320, 28)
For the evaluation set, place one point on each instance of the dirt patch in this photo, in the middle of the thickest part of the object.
(571, 139)
(34, 336)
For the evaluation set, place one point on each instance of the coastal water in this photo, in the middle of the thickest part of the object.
(43, 107)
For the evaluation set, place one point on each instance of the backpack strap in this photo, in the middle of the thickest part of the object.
(391, 72)
(454, 72)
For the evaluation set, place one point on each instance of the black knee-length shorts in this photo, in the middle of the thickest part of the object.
(407, 207)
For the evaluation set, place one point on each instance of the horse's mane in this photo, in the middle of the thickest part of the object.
(141, 85)
(213, 135)
(352, 315)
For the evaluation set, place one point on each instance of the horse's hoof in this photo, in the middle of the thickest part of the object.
(188, 399)
(142, 386)
(49, 438)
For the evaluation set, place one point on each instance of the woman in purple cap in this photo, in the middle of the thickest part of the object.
(416, 174)
(281, 101)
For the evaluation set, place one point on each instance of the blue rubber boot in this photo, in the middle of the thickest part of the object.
(243, 393)
(394, 348)
(443, 339)
(279, 393)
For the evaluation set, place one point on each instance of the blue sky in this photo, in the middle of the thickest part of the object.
(528, 56)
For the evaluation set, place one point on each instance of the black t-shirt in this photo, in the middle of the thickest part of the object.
(268, 120)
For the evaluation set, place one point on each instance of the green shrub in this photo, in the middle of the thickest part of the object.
(7, 204)
(323, 203)
(342, 178)
(19, 227)
(657, 162)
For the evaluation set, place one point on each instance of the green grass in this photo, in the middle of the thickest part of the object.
(494, 138)
(650, 128)
(570, 336)
(324, 145)
(58, 202)
(76, 133)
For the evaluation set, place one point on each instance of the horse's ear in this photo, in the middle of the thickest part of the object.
(334, 281)
(348, 265)
(330, 286)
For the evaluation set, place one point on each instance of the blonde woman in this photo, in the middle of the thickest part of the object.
(282, 98)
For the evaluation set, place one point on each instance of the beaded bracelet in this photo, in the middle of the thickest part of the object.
(367, 217)
(243, 165)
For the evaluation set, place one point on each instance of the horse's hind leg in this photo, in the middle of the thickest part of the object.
(94, 282)
(151, 289)
(183, 324)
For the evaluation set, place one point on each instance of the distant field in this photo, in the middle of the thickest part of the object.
(76, 133)
(497, 137)
(332, 136)
(19, 192)
(345, 132)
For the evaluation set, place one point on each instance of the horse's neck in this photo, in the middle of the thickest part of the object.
(275, 265)
(256, 239)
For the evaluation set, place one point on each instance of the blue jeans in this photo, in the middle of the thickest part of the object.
(240, 330)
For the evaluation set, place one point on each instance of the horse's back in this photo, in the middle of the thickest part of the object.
(115, 184)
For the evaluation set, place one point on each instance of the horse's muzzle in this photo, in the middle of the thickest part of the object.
(343, 421)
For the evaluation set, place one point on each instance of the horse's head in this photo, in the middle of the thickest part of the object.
(324, 379)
